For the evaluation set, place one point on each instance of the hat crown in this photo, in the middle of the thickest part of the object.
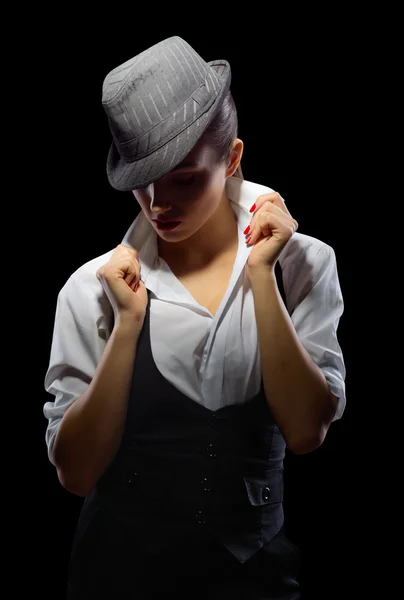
(155, 95)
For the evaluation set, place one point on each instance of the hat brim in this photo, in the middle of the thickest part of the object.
(127, 176)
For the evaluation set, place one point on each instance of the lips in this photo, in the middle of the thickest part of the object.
(166, 225)
(164, 221)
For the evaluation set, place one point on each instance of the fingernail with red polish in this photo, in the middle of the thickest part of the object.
(252, 209)
(246, 230)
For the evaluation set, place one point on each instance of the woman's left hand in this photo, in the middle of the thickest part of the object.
(271, 228)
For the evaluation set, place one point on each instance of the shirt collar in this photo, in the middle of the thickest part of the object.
(142, 236)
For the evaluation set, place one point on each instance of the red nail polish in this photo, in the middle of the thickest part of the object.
(246, 230)
(252, 209)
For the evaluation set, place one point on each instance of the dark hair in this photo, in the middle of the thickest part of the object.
(223, 129)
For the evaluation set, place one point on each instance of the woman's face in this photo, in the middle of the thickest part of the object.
(190, 193)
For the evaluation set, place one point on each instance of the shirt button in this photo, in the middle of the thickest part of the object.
(211, 451)
(213, 420)
(132, 478)
(205, 484)
(200, 517)
(266, 492)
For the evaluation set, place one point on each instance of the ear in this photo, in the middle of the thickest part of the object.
(235, 157)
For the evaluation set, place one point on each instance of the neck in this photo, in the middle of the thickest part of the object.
(215, 239)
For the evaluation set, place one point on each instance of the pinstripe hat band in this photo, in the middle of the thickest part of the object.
(158, 105)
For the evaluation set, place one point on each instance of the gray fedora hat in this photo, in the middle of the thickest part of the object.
(158, 105)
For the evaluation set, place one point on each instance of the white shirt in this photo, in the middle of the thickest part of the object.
(214, 360)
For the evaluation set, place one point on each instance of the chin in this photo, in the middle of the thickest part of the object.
(173, 237)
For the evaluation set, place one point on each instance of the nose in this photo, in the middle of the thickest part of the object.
(159, 209)
(156, 208)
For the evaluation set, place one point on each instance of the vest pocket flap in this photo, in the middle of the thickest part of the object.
(265, 490)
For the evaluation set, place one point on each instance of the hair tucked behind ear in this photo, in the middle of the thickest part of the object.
(224, 129)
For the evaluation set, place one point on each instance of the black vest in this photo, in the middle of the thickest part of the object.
(183, 469)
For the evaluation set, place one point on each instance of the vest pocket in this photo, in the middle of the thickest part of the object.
(267, 489)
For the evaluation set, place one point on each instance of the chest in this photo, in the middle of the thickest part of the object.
(207, 285)
(208, 288)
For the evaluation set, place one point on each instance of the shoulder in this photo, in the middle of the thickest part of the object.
(83, 295)
(305, 250)
(307, 263)
(301, 249)
(85, 274)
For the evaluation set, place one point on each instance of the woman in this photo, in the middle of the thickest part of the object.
(179, 374)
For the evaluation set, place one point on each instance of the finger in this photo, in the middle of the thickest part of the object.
(262, 217)
(134, 253)
(127, 267)
(123, 252)
(135, 282)
(275, 199)
(130, 270)
(267, 207)
(268, 222)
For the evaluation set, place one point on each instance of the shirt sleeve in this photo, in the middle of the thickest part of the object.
(318, 307)
(77, 346)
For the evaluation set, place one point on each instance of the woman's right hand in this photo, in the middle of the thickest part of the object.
(119, 278)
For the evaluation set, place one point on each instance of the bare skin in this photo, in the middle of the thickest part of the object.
(202, 250)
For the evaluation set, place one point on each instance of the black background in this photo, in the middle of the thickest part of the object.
(299, 118)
